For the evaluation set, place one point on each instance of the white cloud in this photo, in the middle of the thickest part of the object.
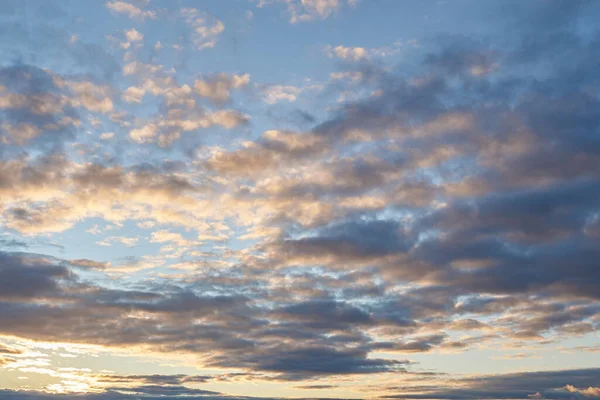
(133, 94)
(166, 131)
(94, 230)
(107, 136)
(144, 134)
(139, 68)
(93, 97)
(134, 36)
(127, 241)
(589, 392)
(206, 28)
(276, 93)
(308, 10)
(122, 7)
(164, 236)
(347, 53)
(355, 54)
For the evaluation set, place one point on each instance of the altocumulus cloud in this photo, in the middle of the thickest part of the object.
(440, 198)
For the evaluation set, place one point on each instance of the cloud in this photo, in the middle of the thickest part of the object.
(363, 54)
(308, 10)
(274, 148)
(353, 239)
(150, 393)
(9, 350)
(133, 94)
(164, 236)
(325, 314)
(312, 387)
(144, 134)
(416, 345)
(206, 29)
(277, 93)
(133, 36)
(547, 384)
(26, 276)
(127, 241)
(592, 392)
(39, 112)
(91, 96)
(107, 135)
(166, 131)
(451, 205)
(347, 53)
(161, 391)
(132, 11)
(305, 362)
(217, 87)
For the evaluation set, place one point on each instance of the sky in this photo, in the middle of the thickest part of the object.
(341, 199)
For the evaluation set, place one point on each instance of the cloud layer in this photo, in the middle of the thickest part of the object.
(430, 198)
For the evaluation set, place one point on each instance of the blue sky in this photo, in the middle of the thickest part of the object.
(299, 199)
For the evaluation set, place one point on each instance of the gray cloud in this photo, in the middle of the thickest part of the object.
(550, 384)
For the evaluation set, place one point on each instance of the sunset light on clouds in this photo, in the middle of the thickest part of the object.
(342, 199)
